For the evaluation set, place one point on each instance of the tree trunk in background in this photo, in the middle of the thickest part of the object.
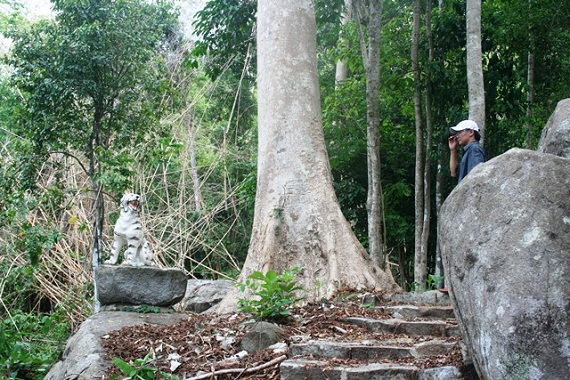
(341, 72)
(429, 136)
(98, 205)
(530, 79)
(196, 183)
(298, 220)
(530, 99)
(475, 82)
(440, 177)
(420, 262)
(439, 186)
(372, 12)
(97, 253)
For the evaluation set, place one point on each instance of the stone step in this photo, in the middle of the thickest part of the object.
(295, 369)
(400, 326)
(430, 297)
(443, 312)
(371, 350)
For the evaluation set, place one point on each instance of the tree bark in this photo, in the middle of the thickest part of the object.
(371, 59)
(196, 183)
(341, 72)
(420, 263)
(530, 79)
(530, 100)
(429, 136)
(439, 186)
(98, 210)
(475, 82)
(298, 220)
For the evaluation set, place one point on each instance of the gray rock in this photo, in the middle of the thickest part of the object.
(84, 357)
(295, 369)
(432, 347)
(441, 373)
(201, 295)
(413, 311)
(260, 336)
(505, 241)
(555, 137)
(362, 350)
(433, 297)
(401, 326)
(140, 285)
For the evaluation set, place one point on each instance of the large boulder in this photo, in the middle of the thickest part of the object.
(555, 137)
(84, 356)
(505, 243)
(140, 285)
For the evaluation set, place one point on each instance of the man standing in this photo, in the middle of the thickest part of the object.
(466, 134)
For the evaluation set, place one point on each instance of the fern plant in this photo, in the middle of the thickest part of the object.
(273, 294)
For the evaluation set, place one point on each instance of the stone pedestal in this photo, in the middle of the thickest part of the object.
(140, 285)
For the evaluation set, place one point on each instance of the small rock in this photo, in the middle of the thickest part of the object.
(279, 348)
(260, 336)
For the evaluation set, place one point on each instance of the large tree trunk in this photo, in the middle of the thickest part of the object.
(298, 221)
(475, 82)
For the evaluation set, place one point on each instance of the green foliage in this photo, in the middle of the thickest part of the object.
(433, 281)
(35, 240)
(92, 80)
(141, 369)
(30, 344)
(93, 84)
(226, 31)
(274, 294)
(145, 309)
(328, 15)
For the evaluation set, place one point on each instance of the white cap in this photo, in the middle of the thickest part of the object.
(465, 124)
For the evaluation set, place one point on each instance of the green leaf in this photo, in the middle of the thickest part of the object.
(274, 294)
(125, 367)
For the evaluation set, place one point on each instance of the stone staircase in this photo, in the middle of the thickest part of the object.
(417, 334)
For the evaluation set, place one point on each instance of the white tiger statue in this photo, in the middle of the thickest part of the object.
(128, 231)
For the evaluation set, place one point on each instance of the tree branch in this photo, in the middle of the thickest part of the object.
(72, 156)
(241, 371)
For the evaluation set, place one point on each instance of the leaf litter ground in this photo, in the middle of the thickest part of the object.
(207, 343)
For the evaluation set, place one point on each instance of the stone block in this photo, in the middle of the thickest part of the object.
(139, 285)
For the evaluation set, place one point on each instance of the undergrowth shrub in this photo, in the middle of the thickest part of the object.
(30, 344)
(273, 294)
(140, 369)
